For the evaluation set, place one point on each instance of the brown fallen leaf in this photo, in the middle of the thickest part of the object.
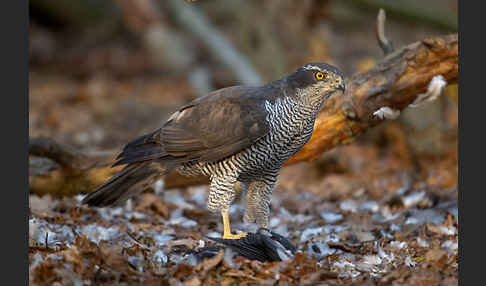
(241, 274)
(210, 263)
(424, 277)
(194, 281)
(314, 277)
(186, 242)
(154, 203)
(113, 256)
(441, 229)
(450, 281)
(183, 270)
(434, 255)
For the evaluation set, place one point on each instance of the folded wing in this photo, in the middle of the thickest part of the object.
(208, 129)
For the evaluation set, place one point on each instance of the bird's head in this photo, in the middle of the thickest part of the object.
(316, 81)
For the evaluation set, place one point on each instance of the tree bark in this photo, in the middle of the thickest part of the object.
(395, 82)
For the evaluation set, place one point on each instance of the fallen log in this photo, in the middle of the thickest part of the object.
(395, 82)
(400, 79)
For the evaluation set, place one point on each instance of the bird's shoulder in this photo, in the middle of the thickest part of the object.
(239, 99)
(219, 124)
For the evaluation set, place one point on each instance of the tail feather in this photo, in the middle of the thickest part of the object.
(125, 184)
(146, 159)
(144, 148)
(142, 154)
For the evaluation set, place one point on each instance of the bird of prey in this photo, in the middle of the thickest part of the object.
(235, 134)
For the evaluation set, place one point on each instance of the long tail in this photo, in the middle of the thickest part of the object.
(144, 157)
(128, 182)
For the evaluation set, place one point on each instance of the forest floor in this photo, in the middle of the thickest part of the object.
(353, 236)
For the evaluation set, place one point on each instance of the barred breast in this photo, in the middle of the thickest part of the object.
(291, 125)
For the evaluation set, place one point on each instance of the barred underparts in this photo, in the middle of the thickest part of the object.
(234, 134)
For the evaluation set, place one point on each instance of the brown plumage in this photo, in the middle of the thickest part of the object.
(232, 134)
(207, 129)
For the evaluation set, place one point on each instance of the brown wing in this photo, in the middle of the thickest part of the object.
(208, 129)
(217, 125)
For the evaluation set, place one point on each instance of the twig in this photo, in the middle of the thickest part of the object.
(137, 242)
(193, 20)
(64, 155)
(383, 41)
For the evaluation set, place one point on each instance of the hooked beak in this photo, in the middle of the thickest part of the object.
(341, 86)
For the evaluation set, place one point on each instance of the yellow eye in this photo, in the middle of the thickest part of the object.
(320, 75)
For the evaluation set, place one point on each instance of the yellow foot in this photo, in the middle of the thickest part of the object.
(234, 236)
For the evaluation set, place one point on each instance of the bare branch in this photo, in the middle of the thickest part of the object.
(385, 44)
(64, 155)
(196, 22)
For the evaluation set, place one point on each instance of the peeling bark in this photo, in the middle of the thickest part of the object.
(394, 82)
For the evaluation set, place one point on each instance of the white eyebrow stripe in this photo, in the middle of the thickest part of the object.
(311, 67)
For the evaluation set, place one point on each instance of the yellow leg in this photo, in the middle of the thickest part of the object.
(227, 229)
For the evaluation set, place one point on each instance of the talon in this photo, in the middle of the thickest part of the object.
(227, 230)
(234, 236)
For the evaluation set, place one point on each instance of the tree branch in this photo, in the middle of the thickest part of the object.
(385, 44)
(193, 20)
(64, 155)
(395, 83)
